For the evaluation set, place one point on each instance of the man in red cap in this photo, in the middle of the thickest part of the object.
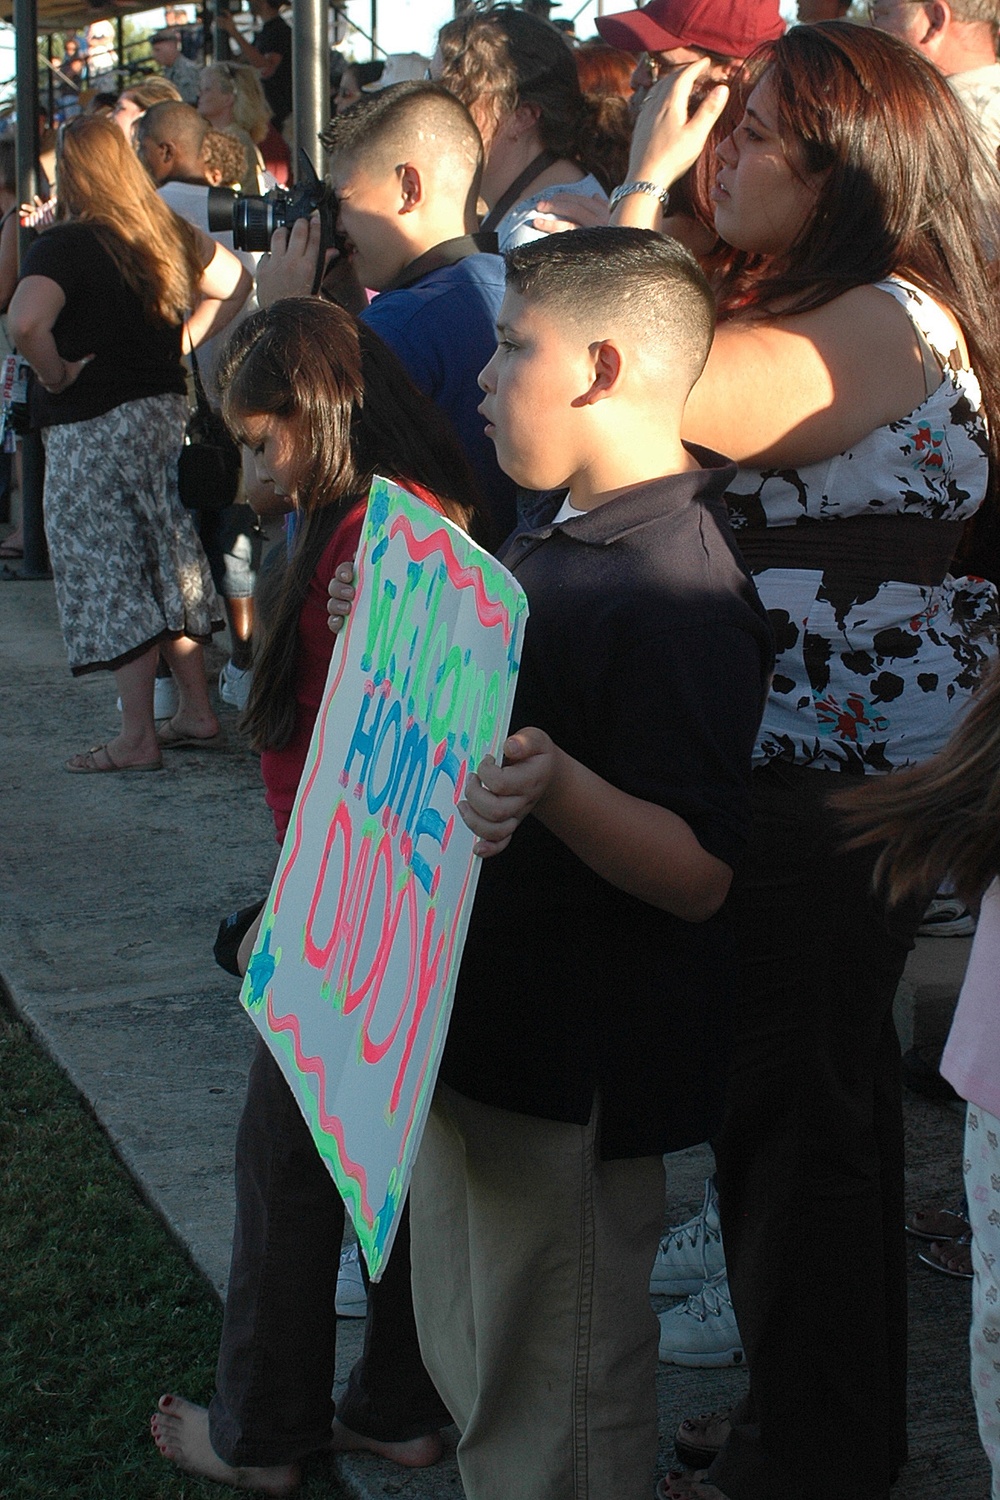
(669, 33)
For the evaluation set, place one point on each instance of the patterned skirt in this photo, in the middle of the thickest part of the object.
(128, 566)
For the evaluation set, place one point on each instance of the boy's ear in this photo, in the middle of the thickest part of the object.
(608, 364)
(411, 188)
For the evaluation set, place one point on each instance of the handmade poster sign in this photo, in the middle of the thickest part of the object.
(354, 971)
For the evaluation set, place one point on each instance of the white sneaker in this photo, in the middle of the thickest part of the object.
(234, 685)
(701, 1332)
(690, 1253)
(947, 916)
(166, 699)
(352, 1299)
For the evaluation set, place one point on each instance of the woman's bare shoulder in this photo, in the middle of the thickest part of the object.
(794, 388)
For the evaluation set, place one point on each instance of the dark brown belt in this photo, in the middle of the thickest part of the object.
(875, 549)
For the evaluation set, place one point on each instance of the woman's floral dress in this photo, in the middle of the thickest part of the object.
(872, 673)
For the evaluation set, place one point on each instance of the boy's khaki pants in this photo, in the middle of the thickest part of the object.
(531, 1265)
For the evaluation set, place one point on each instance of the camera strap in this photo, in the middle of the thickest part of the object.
(516, 191)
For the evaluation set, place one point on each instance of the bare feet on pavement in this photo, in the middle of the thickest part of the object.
(180, 1431)
(417, 1453)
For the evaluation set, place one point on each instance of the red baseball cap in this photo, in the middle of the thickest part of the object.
(732, 28)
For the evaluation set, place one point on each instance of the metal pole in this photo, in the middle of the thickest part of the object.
(374, 35)
(52, 81)
(221, 50)
(310, 77)
(121, 74)
(35, 560)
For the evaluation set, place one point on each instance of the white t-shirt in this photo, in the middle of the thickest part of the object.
(566, 513)
(979, 91)
(189, 200)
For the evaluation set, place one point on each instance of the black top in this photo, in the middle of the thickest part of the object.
(276, 36)
(646, 656)
(135, 357)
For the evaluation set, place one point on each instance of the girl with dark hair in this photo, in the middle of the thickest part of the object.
(327, 467)
(516, 76)
(853, 379)
(323, 405)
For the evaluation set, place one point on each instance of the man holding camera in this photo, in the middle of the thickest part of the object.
(405, 166)
(170, 139)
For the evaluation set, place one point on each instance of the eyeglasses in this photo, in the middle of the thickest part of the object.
(880, 11)
(660, 65)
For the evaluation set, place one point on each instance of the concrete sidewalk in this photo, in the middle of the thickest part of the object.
(111, 890)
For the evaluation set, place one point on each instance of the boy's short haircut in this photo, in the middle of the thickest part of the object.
(612, 278)
(386, 124)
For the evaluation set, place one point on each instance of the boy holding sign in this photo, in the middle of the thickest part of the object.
(599, 965)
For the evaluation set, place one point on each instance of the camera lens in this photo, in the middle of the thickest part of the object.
(221, 207)
(254, 222)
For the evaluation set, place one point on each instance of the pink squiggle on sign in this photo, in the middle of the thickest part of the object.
(420, 1088)
(490, 612)
(332, 1124)
(310, 778)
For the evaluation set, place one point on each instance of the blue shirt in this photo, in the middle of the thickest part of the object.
(443, 327)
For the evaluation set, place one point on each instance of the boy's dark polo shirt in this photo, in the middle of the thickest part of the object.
(646, 656)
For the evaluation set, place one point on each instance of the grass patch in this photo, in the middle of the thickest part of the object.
(99, 1310)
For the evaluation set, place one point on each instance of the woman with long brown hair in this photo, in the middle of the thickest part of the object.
(323, 405)
(853, 379)
(106, 298)
(517, 78)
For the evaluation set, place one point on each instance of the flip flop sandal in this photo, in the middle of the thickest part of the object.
(678, 1486)
(936, 1224)
(88, 764)
(952, 1258)
(699, 1439)
(174, 739)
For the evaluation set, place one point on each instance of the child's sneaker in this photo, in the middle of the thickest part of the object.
(166, 698)
(690, 1253)
(352, 1299)
(234, 685)
(701, 1332)
(947, 916)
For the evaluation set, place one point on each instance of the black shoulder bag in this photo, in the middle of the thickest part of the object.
(208, 469)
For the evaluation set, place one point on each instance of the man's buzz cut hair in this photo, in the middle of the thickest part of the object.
(631, 279)
(389, 122)
(173, 120)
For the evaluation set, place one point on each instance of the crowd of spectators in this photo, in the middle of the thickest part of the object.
(699, 233)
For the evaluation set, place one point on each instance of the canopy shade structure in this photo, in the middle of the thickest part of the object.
(73, 15)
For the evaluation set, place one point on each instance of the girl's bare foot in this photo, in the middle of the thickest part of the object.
(417, 1453)
(180, 1431)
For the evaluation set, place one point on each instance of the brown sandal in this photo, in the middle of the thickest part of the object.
(951, 1257)
(87, 763)
(936, 1224)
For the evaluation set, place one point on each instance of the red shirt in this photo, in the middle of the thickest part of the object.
(281, 769)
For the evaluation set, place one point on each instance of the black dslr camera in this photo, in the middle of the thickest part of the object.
(254, 219)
